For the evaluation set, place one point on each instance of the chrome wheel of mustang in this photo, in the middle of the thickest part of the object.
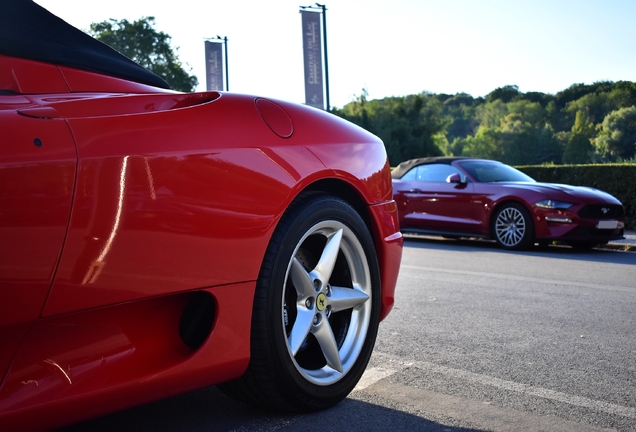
(316, 309)
(513, 227)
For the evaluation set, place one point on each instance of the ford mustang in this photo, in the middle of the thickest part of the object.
(154, 242)
(467, 197)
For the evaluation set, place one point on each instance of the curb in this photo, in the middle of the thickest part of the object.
(628, 244)
(623, 247)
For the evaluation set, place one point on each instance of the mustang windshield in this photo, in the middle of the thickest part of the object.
(490, 171)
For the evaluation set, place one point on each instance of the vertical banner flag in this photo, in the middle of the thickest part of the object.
(312, 53)
(214, 65)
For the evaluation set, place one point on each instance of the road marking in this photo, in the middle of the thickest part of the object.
(397, 364)
(373, 375)
(438, 407)
(520, 278)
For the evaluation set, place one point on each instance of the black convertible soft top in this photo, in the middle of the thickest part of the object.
(29, 31)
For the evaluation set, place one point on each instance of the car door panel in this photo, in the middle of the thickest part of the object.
(37, 175)
(441, 206)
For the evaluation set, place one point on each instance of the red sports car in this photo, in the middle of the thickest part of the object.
(467, 197)
(155, 242)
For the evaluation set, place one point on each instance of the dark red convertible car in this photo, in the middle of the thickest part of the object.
(467, 197)
(154, 242)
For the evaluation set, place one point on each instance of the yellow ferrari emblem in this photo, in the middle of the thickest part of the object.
(321, 301)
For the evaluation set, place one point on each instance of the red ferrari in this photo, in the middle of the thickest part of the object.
(155, 242)
(467, 197)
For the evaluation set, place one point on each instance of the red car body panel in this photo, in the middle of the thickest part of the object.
(36, 191)
(75, 366)
(119, 201)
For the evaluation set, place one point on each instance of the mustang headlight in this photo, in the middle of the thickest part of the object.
(551, 204)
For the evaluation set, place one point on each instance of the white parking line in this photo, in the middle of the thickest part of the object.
(373, 375)
(397, 364)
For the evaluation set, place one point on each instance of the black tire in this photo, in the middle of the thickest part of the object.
(316, 309)
(512, 227)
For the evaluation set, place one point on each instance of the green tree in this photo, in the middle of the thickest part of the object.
(557, 118)
(542, 98)
(460, 113)
(623, 94)
(528, 112)
(522, 142)
(505, 94)
(411, 126)
(617, 138)
(515, 133)
(577, 91)
(595, 100)
(579, 149)
(595, 106)
(490, 114)
(140, 42)
(485, 144)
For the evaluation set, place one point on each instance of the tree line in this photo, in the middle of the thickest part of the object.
(585, 123)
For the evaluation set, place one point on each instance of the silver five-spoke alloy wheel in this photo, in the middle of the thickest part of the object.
(327, 304)
(316, 308)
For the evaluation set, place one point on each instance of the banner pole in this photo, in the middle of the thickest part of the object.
(227, 74)
(324, 38)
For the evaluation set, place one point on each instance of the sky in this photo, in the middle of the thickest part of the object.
(394, 47)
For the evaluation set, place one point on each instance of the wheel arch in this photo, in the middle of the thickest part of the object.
(381, 219)
(345, 191)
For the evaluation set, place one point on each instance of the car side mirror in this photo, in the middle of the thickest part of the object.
(455, 178)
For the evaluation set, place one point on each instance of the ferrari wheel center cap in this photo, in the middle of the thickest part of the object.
(321, 301)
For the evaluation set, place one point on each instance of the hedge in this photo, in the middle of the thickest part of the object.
(616, 179)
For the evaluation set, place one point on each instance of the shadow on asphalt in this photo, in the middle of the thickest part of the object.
(553, 251)
(210, 410)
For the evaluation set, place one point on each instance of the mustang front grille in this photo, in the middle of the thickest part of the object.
(602, 211)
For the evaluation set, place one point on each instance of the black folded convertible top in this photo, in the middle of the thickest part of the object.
(29, 31)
